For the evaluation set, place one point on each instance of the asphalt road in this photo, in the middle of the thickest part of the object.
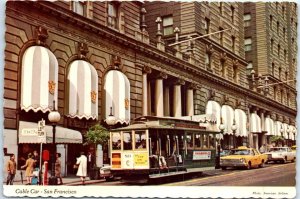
(271, 175)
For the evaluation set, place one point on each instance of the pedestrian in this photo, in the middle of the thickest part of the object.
(29, 165)
(11, 169)
(90, 162)
(82, 167)
(37, 168)
(58, 168)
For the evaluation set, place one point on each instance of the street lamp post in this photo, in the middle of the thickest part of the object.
(288, 134)
(111, 119)
(281, 133)
(221, 127)
(294, 133)
(54, 118)
(234, 127)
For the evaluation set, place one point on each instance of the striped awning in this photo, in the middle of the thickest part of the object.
(38, 79)
(255, 123)
(293, 130)
(28, 133)
(277, 128)
(227, 114)
(83, 90)
(214, 108)
(117, 96)
(269, 126)
(241, 122)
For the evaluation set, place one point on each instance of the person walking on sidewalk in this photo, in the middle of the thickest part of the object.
(58, 168)
(90, 163)
(11, 169)
(82, 168)
(29, 165)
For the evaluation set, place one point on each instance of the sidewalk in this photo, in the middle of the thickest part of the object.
(68, 181)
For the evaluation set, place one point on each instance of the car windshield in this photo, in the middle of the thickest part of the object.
(239, 152)
(277, 149)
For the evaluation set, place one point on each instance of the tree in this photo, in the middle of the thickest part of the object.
(276, 139)
(97, 134)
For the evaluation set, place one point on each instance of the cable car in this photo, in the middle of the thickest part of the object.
(154, 147)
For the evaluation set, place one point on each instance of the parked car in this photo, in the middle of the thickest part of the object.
(105, 172)
(243, 157)
(281, 154)
(224, 152)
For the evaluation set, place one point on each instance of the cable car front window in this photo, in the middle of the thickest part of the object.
(198, 141)
(127, 140)
(189, 141)
(116, 141)
(211, 140)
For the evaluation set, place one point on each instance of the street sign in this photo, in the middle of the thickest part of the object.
(41, 134)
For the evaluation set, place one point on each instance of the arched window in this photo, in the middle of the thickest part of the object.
(83, 90)
(39, 79)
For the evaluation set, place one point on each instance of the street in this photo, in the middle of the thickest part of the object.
(271, 175)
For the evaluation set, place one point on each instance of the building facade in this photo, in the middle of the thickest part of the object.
(100, 58)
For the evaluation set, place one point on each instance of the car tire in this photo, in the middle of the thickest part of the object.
(248, 166)
(284, 160)
(223, 168)
(262, 164)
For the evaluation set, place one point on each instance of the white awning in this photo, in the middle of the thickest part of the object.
(117, 96)
(28, 133)
(83, 90)
(255, 123)
(38, 79)
(214, 108)
(227, 115)
(293, 130)
(269, 126)
(277, 128)
(241, 123)
(285, 132)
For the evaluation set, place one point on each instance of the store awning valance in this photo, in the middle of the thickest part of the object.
(255, 123)
(269, 126)
(83, 90)
(293, 132)
(117, 96)
(285, 131)
(227, 114)
(28, 133)
(214, 108)
(241, 122)
(38, 79)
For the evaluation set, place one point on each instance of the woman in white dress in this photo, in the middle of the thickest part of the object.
(82, 167)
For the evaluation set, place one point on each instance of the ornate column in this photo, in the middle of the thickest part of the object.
(159, 99)
(146, 70)
(177, 98)
(190, 99)
(263, 127)
(166, 101)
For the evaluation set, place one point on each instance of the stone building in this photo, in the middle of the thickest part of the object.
(97, 58)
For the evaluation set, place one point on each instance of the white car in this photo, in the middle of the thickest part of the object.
(106, 173)
(281, 154)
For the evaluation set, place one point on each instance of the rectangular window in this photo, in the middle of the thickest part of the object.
(249, 68)
(168, 25)
(112, 15)
(198, 141)
(221, 35)
(248, 44)
(207, 25)
(233, 43)
(140, 140)
(247, 20)
(78, 7)
(189, 141)
(127, 141)
(232, 14)
(116, 141)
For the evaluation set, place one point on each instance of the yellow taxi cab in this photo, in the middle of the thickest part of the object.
(294, 148)
(243, 157)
